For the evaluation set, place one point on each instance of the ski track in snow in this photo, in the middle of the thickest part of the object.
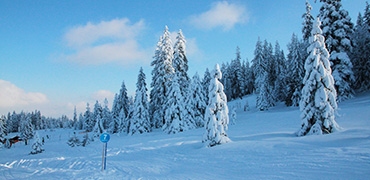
(263, 146)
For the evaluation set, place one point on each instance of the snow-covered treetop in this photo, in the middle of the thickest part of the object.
(217, 72)
(316, 28)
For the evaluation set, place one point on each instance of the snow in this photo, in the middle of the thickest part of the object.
(263, 147)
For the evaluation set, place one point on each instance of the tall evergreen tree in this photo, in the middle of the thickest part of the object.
(307, 23)
(180, 62)
(337, 27)
(205, 83)
(88, 116)
(248, 78)
(161, 77)
(296, 72)
(175, 120)
(98, 119)
(75, 121)
(115, 122)
(360, 54)
(140, 120)
(263, 58)
(216, 116)
(236, 76)
(257, 64)
(318, 103)
(196, 102)
(3, 131)
(280, 74)
(26, 127)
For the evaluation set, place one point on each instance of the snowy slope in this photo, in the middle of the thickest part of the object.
(264, 147)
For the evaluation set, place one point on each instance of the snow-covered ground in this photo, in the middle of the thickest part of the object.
(263, 147)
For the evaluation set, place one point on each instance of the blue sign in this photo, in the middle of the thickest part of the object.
(104, 138)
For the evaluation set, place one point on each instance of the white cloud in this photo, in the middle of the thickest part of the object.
(222, 14)
(106, 42)
(13, 96)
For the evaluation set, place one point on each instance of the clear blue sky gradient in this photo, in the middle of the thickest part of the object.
(32, 42)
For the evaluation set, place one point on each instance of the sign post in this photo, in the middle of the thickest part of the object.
(104, 138)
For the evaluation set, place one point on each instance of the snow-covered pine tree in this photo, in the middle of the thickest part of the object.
(216, 116)
(360, 54)
(205, 83)
(236, 76)
(307, 23)
(86, 140)
(3, 131)
(227, 78)
(295, 72)
(26, 127)
(73, 141)
(106, 115)
(280, 74)
(196, 101)
(121, 104)
(161, 77)
(180, 62)
(175, 120)
(337, 27)
(271, 66)
(87, 119)
(80, 123)
(257, 64)
(263, 56)
(248, 78)
(37, 145)
(75, 120)
(318, 103)
(98, 115)
(140, 121)
(115, 122)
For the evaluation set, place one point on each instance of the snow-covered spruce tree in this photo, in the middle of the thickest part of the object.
(3, 131)
(120, 111)
(26, 127)
(226, 80)
(216, 116)
(180, 62)
(360, 54)
(280, 73)
(37, 145)
(175, 120)
(140, 121)
(73, 141)
(318, 103)
(295, 72)
(257, 63)
(307, 23)
(115, 122)
(75, 120)
(236, 76)
(205, 83)
(161, 74)
(98, 127)
(87, 119)
(337, 27)
(248, 78)
(263, 56)
(196, 101)
(106, 114)
(86, 140)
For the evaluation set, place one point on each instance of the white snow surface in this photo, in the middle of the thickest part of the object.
(263, 147)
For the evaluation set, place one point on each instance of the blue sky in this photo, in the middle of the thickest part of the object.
(55, 55)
